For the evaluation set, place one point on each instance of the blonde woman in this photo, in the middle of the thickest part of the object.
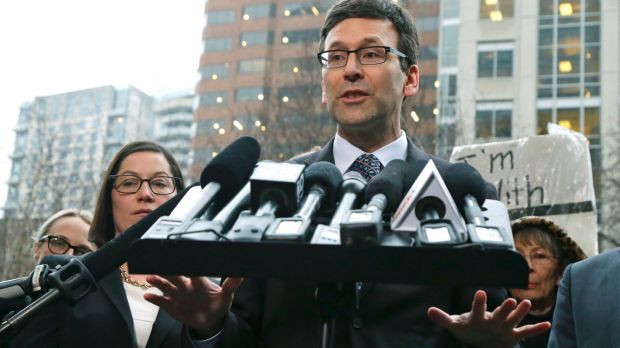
(64, 233)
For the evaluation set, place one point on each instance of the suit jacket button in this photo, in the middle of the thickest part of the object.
(358, 323)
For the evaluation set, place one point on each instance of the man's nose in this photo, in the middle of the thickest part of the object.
(353, 68)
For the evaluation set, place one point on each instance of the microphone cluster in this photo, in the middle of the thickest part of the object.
(406, 204)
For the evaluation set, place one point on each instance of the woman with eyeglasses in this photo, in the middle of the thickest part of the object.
(548, 250)
(64, 233)
(140, 178)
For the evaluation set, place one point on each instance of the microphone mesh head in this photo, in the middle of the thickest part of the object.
(232, 167)
(462, 179)
(328, 176)
(390, 182)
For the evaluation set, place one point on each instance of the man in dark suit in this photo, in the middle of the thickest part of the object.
(368, 52)
(586, 312)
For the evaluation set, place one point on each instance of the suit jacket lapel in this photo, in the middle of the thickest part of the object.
(414, 153)
(112, 286)
(164, 323)
(325, 154)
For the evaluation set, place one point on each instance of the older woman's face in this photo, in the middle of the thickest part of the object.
(70, 233)
(544, 273)
(129, 208)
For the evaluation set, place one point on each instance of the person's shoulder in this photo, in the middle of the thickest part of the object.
(609, 258)
(304, 157)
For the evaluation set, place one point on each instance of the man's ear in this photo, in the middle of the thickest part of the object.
(412, 81)
(323, 96)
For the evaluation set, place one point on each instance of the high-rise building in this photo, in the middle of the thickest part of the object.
(507, 68)
(173, 126)
(64, 142)
(260, 77)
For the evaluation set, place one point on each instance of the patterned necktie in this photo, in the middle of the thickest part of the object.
(366, 164)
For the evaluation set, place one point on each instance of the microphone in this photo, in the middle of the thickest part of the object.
(14, 292)
(365, 226)
(429, 210)
(220, 179)
(211, 230)
(321, 182)
(352, 188)
(468, 189)
(276, 190)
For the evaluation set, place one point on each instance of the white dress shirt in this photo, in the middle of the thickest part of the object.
(345, 152)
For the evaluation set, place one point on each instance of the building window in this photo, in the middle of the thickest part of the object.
(116, 128)
(496, 10)
(493, 120)
(216, 44)
(254, 66)
(214, 71)
(258, 11)
(428, 53)
(569, 49)
(300, 36)
(251, 94)
(210, 126)
(495, 59)
(427, 23)
(16, 170)
(428, 82)
(212, 98)
(449, 45)
(286, 94)
(255, 38)
(300, 64)
(305, 9)
(220, 17)
(247, 121)
(586, 121)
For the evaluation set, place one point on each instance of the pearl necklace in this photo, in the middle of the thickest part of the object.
(127, 279)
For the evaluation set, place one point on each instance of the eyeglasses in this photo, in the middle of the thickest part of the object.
(539, 259)
(159, 185)
(372, 55)
(57, 245)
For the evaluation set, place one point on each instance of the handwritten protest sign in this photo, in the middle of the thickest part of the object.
(547, 175)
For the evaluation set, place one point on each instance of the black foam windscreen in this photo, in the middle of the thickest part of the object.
(114, 253)
(329, 177)
(390, 182)
(232, 167)
(462, 179)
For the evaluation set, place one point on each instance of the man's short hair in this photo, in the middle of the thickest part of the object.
(408, 41)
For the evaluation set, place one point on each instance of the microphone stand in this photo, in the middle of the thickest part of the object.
(71, 282)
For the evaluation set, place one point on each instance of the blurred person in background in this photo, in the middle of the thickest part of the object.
(548, 250)
(64, 233)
